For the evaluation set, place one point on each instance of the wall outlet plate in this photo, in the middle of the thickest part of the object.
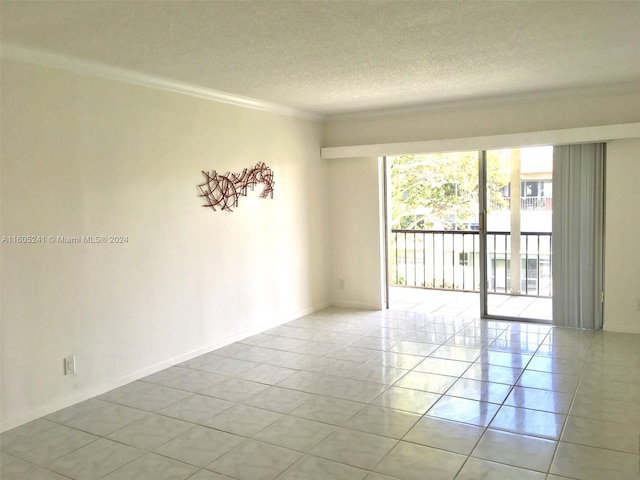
(70, 365)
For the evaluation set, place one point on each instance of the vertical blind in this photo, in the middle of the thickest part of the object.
(578, 235)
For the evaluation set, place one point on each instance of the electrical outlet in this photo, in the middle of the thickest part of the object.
(70, 365)
(341, 284)
(639, 304)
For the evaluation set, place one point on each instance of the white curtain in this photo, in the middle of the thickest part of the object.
(578, 235)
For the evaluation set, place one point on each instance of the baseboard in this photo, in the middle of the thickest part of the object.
(247, 333)
(83, 395)
(361, 306)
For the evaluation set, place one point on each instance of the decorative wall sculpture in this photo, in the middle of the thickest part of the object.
(223, 191)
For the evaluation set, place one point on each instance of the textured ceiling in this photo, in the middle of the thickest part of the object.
(332, 57)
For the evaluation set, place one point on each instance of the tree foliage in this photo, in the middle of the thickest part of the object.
(440, 190)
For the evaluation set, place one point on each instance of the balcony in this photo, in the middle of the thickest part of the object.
(451, 303)
(527, 204)
(450, 260)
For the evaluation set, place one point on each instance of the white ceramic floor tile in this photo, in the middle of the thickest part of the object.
(383, 421)
(255, 461)
(445, 435)
(395, 360)
(150, 432)
(358, 449)
(555, 365)
(529, 422)
(66, 414)
(105, 418)
(355, 390)
(414, 401)
(354, 354)
(145, 396)
(414, 348)
(609, 389)
(25, 431)
(442, 366)
(477, 390)
(235, 390)
(598, 433)
(464, 410)
(408, 461)
(292, 360)
(333, 366)
(279, 400)
(309, 382)
(512, 342)
(378, 374)
(196, 408)
(328, 410)
(12, 468)
(243, 420)
(379, 476)
(428, 382)
(219, 365)
(45, 446)
(256, 354)
(199, 446)
(95, 460)
(375, 343)
(208, 475)
(325, 397)
(462, 354)
(268, 374)
(606, 409)
(534, 399)
(185, 379)
(568, 352)
(295, 433)
(515, 450)
(493, 373)
(153, 467)
(470, 341)
(589, 463)
(549, 381)
(475, 469)
(504, 359)
(314, 468)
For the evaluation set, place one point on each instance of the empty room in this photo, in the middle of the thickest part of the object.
(316, 240)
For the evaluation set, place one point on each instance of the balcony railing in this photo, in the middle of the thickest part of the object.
(450, 260)
(529, 204)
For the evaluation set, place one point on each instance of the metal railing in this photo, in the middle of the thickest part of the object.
(544, 204)
(450, 260)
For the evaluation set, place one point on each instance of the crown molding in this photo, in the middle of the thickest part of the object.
(84, 67)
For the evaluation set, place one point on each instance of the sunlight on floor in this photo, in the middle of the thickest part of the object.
(467, 304)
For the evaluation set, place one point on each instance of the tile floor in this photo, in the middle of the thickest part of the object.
(345, 394)
(449, 302)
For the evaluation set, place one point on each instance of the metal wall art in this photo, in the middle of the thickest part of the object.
(223, 191)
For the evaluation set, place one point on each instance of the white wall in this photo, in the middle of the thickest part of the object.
(86, 156)
(356, 278)
(622, 243)
(622, 259)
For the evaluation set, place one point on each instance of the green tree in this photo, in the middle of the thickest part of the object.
(440, 190)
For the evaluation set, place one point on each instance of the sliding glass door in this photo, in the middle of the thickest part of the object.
(470, 233)
(515, 210)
